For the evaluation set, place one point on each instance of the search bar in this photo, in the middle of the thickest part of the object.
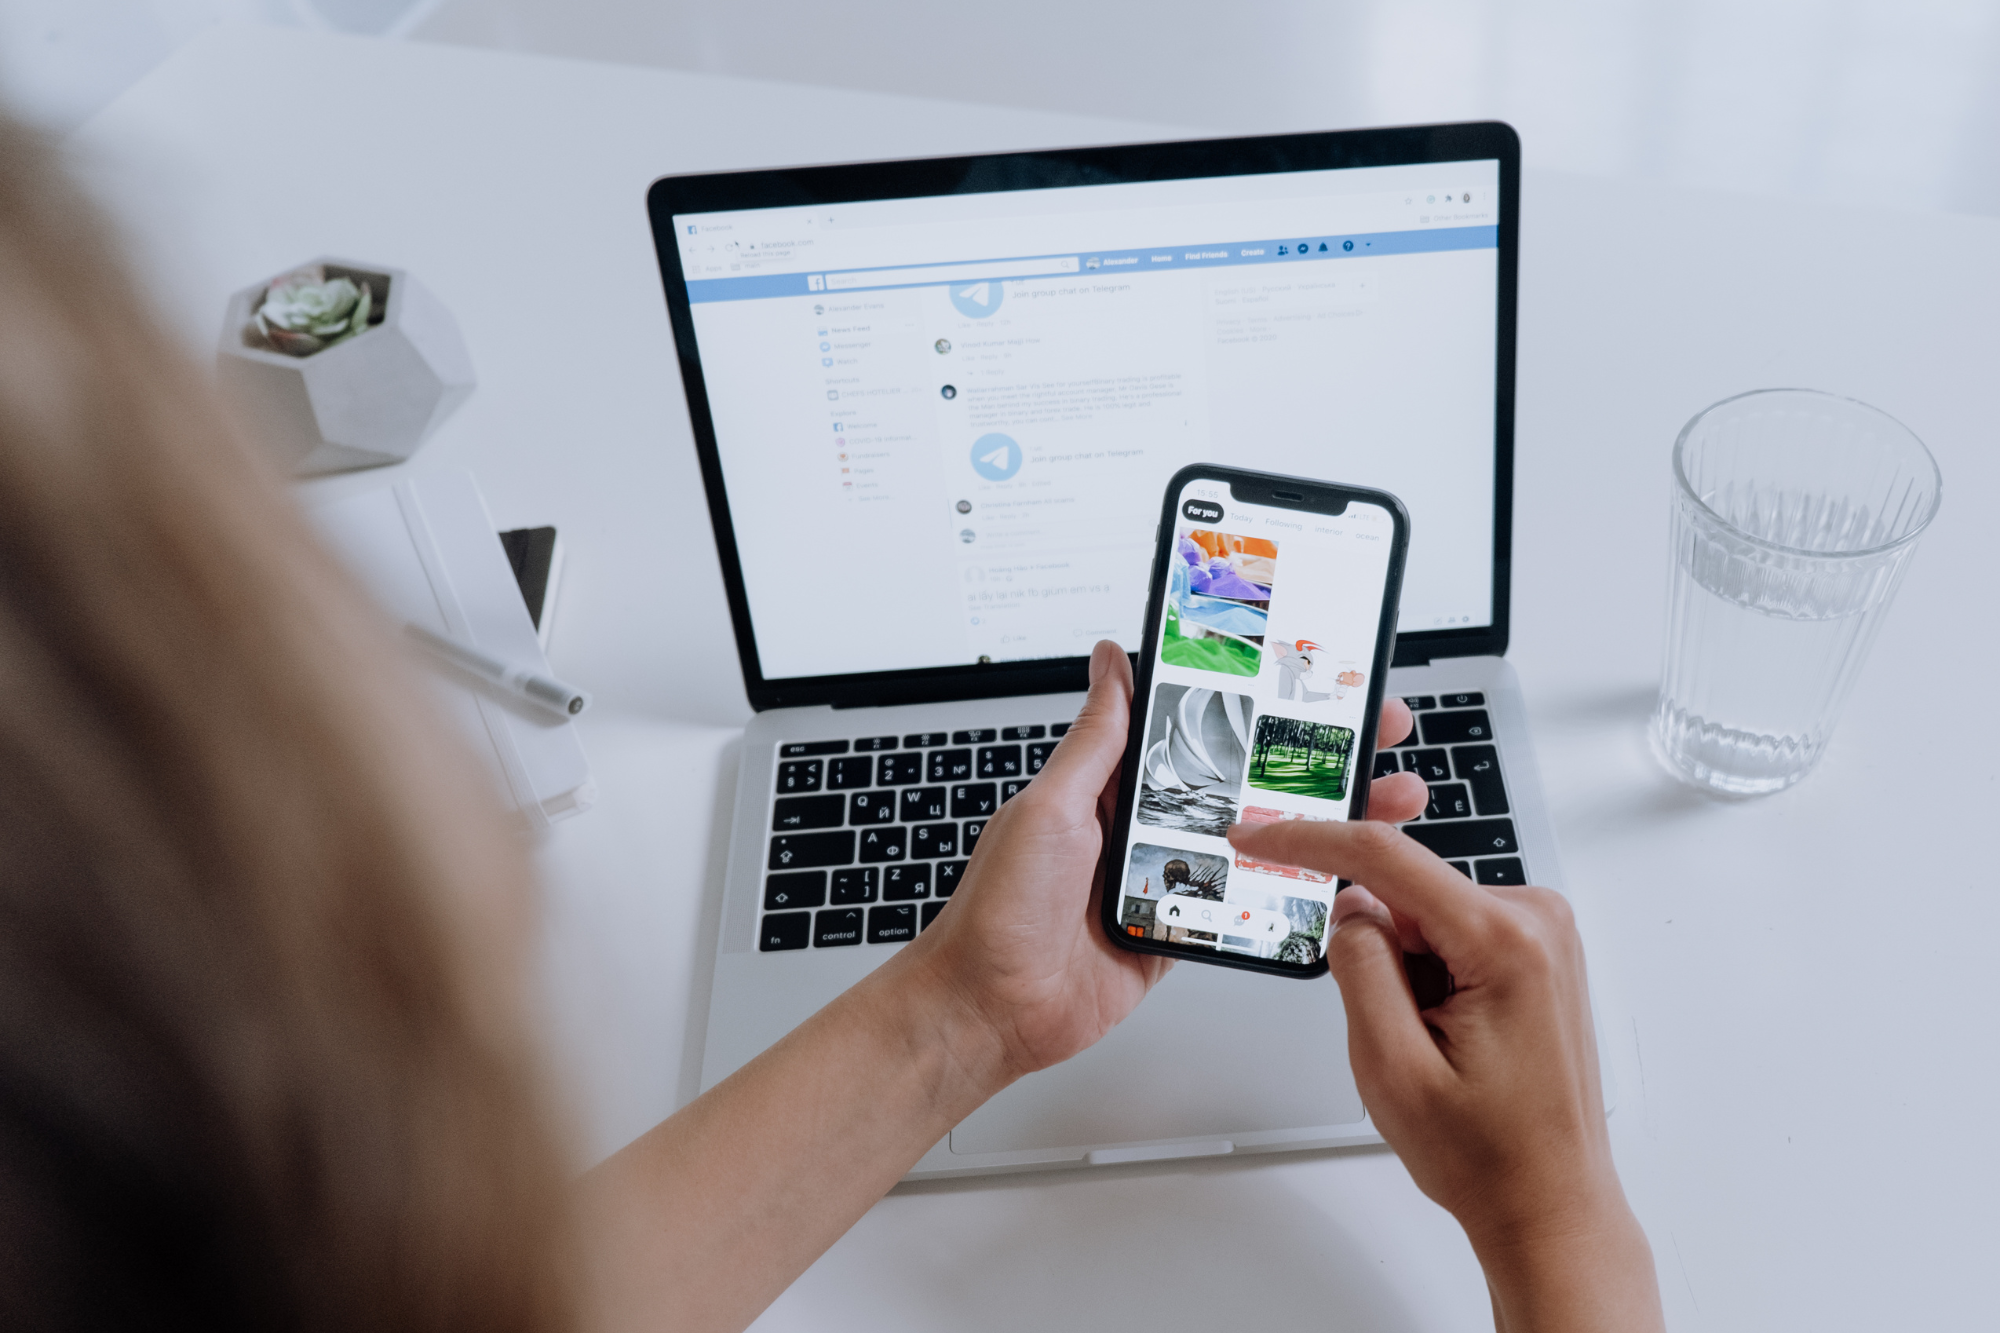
(900, 277)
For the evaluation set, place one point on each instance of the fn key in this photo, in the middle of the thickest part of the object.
(785, 930)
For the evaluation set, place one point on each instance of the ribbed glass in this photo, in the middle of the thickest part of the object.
(1794, 515)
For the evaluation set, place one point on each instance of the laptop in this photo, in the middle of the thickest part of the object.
(936, 403)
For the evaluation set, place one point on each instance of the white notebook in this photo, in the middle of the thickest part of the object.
(428, 551)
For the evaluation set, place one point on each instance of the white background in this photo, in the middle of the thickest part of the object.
(1893, 102)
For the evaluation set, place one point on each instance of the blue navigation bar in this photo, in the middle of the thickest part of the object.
(1102, 263)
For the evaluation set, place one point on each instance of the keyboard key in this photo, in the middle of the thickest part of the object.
(800, 749)
(1473, 700)
(797, 851)
(1059, 729)
(856, 884)
(1039, 755)
(1462, 867)
(949, 765)
(1430, 765)
(801, 888)
(946, 878)
(898, 770)
(923, 803)
(1009, 790)
(927, 914)
(882, 844)
(974, 799)
(871, 807)
(923, 740)
(1385, 763)
(804, 812)
(799, 775)
(870, 743)
(1022, 733)
(972, 831)
(932, 841)
(1419, 702)
(980, 736)
(1449, 800)
(1453, 728)
(1000, 761)
(1466, 837)
(1479, 765)
(1500, 870)
(835, 927)
(856, 770)
(785, 930)
(891, 925)
(905, 882)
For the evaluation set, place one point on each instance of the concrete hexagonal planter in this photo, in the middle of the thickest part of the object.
(369, 399)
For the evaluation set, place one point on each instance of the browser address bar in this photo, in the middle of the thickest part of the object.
(896, 277)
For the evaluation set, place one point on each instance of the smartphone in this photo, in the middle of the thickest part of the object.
(1269, 628)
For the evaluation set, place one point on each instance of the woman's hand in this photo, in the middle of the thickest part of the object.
(711, 1214)
(1021, 947)
(1491, 1097)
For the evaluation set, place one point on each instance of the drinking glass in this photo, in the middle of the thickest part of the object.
(1794, 516)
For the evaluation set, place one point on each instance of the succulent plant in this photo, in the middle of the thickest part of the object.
(305, 311)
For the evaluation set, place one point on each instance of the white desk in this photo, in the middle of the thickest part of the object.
(1795, 990)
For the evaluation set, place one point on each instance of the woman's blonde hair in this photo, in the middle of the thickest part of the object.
(256, 1070)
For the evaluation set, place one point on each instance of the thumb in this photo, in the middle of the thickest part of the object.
(1095, 742)
(1387, 1042)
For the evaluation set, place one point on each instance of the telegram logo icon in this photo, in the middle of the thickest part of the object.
(996, 457)
(975, 300)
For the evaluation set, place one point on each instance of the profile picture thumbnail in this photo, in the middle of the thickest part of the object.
(1301, 758)
(1156, 874)
(1193, 763)
(1218, 602)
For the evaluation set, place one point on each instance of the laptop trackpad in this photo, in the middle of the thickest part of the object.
(1212, 1051)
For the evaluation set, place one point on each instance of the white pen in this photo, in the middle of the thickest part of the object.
(552, 694)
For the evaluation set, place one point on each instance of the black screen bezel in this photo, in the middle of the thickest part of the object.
(918, 178)
(1277, 492)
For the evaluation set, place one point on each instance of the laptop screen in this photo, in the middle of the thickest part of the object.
(945, 423)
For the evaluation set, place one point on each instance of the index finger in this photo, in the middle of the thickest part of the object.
(1447, 907)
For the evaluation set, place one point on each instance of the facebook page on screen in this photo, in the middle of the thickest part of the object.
(946, 424)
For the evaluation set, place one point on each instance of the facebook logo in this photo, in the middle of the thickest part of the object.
(690, 228)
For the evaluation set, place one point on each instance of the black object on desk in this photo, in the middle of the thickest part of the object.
(532, 553)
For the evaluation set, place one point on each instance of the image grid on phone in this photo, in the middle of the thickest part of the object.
(1257, 705)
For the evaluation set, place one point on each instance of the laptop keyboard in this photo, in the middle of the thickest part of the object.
(1468, 822)
(870, 836)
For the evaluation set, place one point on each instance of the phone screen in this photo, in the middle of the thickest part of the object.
(1258, 708)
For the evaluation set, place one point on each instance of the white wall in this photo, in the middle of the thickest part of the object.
(1886, 101)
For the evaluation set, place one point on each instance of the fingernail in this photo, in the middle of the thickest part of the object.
(1098, 665)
